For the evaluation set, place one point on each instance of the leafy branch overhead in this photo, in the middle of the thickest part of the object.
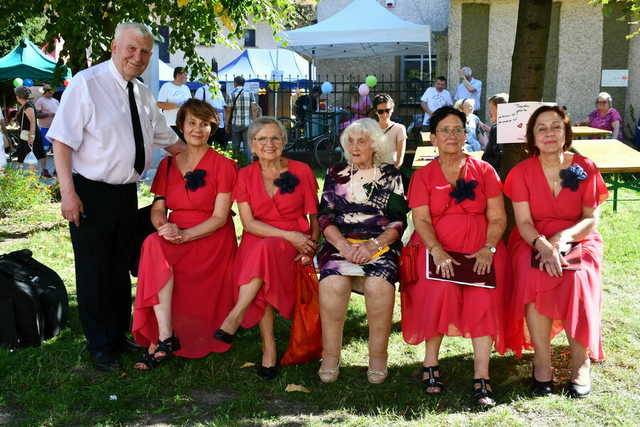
(87, 26)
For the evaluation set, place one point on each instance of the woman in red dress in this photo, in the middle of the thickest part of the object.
(555, 198)
(278, 201)
(457, 206)
(185, 280)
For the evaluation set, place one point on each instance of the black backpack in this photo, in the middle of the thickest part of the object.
(34, 305)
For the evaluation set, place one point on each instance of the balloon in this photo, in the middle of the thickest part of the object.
(28, 82)
(363, 89)
(326, 88)
(371, 81)
(66, 82)
(17, 82)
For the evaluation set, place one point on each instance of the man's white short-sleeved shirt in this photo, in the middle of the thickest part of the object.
(175, 95)
(435, 100)
(94, 119)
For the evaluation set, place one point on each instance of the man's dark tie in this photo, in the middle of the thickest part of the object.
(138, 165)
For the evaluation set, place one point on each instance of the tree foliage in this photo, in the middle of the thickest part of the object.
(87, 26)
(630, 10)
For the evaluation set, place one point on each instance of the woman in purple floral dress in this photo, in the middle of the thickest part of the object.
(362, 217)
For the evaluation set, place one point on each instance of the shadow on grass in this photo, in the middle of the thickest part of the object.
(56, 384)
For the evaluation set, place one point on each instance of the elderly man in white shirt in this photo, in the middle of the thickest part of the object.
(469, 87)
(103, 134)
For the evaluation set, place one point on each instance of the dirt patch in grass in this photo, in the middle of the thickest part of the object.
(211, 398)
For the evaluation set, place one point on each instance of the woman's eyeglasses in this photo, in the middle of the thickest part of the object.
(454, 131)
(263, 140)
(384, 110)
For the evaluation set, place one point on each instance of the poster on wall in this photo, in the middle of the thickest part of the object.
(512, 121)
(615, 78)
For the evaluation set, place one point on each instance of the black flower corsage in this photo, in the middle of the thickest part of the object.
(287, 182)
(194, 179)
(572, 176)
(464, 190)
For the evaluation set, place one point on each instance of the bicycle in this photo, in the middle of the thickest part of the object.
(326, 147)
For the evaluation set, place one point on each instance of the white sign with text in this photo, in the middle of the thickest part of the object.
(512, 121)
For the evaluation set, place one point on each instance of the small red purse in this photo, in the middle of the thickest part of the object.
(408, 265)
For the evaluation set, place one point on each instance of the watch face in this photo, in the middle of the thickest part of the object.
(491, 249)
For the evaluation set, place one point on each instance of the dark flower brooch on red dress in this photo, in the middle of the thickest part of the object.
(572, 176)
(287, 182)
(464, 190)
(194, 179)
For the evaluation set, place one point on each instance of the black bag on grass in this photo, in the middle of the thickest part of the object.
(34, 305)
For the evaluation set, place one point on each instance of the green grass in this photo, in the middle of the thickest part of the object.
(55, 384)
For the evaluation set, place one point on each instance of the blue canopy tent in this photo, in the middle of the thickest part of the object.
(27, 61)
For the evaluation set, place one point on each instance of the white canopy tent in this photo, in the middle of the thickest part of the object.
(263, 63)
(363, 28)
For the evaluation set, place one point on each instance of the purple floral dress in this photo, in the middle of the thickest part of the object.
(599, 121)
(384, 208)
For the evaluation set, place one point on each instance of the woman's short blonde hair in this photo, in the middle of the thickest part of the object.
(382, 152)
(460, 103)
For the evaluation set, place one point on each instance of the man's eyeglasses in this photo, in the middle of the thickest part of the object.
(454, 131)
(384, 110)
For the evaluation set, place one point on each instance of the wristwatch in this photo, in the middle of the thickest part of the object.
(491, 248)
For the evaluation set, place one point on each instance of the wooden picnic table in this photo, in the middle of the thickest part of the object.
(427, 153)
(615, 159)
(589, 132)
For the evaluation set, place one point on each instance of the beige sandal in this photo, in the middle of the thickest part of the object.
(377, 377)
(329, 375)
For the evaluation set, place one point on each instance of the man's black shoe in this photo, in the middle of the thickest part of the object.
(105, 362)
(127, 346)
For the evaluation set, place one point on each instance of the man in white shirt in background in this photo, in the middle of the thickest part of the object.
(46, 106)
(217, 102)
(173, 94)
(434, 98)
(103, 134)
(469, 87)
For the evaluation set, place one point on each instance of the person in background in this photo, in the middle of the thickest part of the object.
(476, 137)
(305, 105)
(46, 106)
(605, 117)
(216, 100)
(469, 87)
(239, 115)
(102, 137)
(26, 119)
(395, 133)
(434, 98)
(359, 108)
(172, 95)
(4, 142)
(493, 151)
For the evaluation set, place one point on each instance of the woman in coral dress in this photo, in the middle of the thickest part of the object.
(457, 206)
(278, 201)
(184, 286)
(555, 198)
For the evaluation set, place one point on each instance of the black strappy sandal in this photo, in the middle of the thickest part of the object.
(152, 360)
(482, 395)
(433, 380)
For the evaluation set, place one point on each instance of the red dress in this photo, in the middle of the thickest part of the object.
(271, 258)
(202, 288)
(431, 308)
(573, 300)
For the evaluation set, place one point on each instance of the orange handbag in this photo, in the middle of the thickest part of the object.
(305, 343)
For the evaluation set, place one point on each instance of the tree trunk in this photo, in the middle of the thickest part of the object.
(528, 62)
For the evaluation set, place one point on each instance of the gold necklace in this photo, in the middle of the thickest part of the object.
(353, 195)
